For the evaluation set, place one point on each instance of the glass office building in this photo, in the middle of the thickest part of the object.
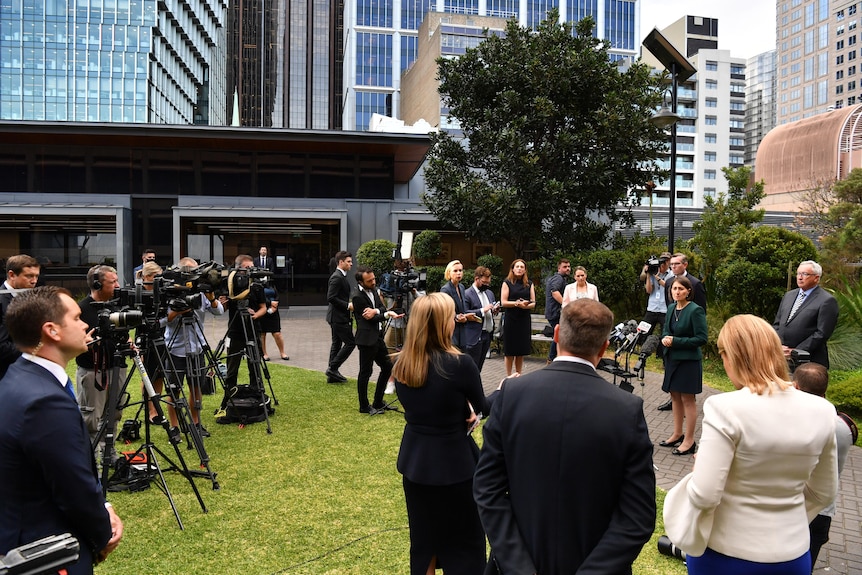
(153, 61)
(381, 41)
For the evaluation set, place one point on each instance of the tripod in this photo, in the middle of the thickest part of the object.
(153, 468)
(248, 347)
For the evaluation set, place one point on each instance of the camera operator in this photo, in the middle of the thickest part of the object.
(95, 366)
(654, 274)
(243, 309)
(145, 278)
(185, 345)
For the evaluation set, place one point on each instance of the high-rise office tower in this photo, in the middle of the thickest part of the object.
(284, 63)
(802, 51)
(760, 100)
(155, 61)
(381, 39)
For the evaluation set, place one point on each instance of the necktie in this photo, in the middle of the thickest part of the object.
(69, 389)
(263, 262)
(487, 320)
(799, 299)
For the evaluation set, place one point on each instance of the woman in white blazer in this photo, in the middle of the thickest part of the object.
(580, 289)
(767, 464)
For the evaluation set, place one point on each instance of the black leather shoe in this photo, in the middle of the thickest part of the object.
(667, 406)
(691, 450)
(332, 376)
(367, 409)
(675, 443)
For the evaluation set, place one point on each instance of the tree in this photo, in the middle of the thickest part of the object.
(758, 269)
(377, 255)
(557, 139)
(427, 245)
(845, 218)
(723, 219)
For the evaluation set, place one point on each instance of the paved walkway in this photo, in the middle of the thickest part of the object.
(307, 341)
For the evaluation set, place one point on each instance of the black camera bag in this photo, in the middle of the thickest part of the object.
(246, 405)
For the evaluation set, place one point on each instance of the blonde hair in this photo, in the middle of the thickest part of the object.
(447, 275)
(753, 350)
(429, 336)
(150, 269)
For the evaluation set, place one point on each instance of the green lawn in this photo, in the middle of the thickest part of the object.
(321, 495)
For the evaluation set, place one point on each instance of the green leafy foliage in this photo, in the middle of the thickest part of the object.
(376, 254)
(755, 277)
(723, 219)
(559, 138)
(845, 345)
(427, 245)
(844, 218)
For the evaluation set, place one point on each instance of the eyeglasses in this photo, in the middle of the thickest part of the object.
(804, 274)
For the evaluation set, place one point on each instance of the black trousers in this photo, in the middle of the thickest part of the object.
(819, 531)
(480, 350)
(368, 356)
(343, 344)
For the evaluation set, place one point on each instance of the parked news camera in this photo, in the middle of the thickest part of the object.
(404, 282)
(179, 286)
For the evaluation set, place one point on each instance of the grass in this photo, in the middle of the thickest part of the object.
(320, 495)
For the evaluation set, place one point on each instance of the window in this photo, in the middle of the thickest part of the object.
(839, 45)
(851, 70)
(737, 142)
(737, 69)
(736, 159)
(709, 192)
(851, 55)
(851, 40)
(712, 84)
(709, 156)
(839, 30)
(839, 59)
(737, 124)
(851, 10)
(711, 66)
(710, 138)
(711, 121)
(839, 89)
(839, 74)
(711, 103)
(851, 100)
(851, 85)
(709, 174)
(737, 105)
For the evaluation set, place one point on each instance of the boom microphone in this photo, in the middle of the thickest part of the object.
(647, 349)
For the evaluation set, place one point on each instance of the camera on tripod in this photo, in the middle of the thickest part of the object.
(797, 358)
(403, 282)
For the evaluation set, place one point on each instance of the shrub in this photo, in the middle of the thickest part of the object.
(846, 394)
(427, 245)
(845, 345)
(376, 254)
(756, 276)
(435, 278)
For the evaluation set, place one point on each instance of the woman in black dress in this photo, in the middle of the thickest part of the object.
(684, 334)
(518, 298)
(441, 392)
(271, 323)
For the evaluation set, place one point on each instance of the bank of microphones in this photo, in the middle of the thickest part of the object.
(649, 347)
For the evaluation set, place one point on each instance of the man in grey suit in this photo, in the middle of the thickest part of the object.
(565, 482)
(338, 317)
(807, 316)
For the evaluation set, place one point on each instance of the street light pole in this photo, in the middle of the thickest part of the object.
(672, 206)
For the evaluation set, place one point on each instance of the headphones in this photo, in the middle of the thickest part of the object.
(97, 283)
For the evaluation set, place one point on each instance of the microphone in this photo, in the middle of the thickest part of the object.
(647, 349)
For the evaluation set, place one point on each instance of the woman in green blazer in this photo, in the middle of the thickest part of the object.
(684, 334)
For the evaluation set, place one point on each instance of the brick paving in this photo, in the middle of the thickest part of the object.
(307, 342)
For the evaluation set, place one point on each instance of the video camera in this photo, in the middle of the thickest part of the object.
(797, 358)
(179, 286)
(240, 280)
(403, 282)
(653, 264)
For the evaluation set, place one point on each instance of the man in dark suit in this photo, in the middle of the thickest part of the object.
(263, 260)
(807, 316)
(48, 478)
(22, 272)
(480, 310)
(370, 314)
(565, 481)
(338, 317)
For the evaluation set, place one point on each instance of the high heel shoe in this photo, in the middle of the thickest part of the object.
(691, 450)
(675, 443)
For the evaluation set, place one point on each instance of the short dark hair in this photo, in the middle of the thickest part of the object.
(812, 378)
(481, 272)
(148, 251)
(342, 255)
(361, 271)
(585, 326)
(16, 264)
(30, 310)
(686, 283)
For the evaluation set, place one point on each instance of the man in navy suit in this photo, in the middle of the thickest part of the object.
(48, 478)
(808, 325)
(370, 314)
(338, 317)
(565, 481)
(679, 268)
(22, 272)
(480, 310)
